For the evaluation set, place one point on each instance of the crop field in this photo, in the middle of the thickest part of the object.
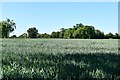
(60, 58)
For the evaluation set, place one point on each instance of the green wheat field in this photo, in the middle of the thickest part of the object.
(60, 58)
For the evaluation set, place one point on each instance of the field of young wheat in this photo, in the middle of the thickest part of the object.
(60, 58)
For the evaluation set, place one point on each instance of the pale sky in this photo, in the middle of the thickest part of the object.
(51, 16)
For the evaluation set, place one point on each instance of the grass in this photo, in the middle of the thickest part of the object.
(60, 58)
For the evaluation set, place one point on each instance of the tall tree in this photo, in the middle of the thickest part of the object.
(68, 33)
(32, 32)
(6, 27)
(109, 35)
(77, 26)
(79, 33)
(99, 34)
(116, 36)
(90, 31)
(61, 35)
(84, 32)
(55, 34)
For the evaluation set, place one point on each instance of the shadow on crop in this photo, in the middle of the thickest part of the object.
(77, 65)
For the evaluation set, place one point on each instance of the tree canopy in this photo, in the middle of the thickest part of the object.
(80, 31)
(32, 32)
(7, 27)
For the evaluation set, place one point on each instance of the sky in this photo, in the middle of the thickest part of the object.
(51, 16)
(60, 0)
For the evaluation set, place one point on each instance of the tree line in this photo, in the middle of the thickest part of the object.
(78, 31)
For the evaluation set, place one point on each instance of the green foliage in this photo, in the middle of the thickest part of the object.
(99, 34)
(60, 58)
(68, 33)
(55, 34)
(24, 35)
(109, 35)
(78, 31)
(6, 27)
(85, 32)
(43, 35)
(81, 31)
(116, 36)
(32, 32)
(61, 35)
(13, 36)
